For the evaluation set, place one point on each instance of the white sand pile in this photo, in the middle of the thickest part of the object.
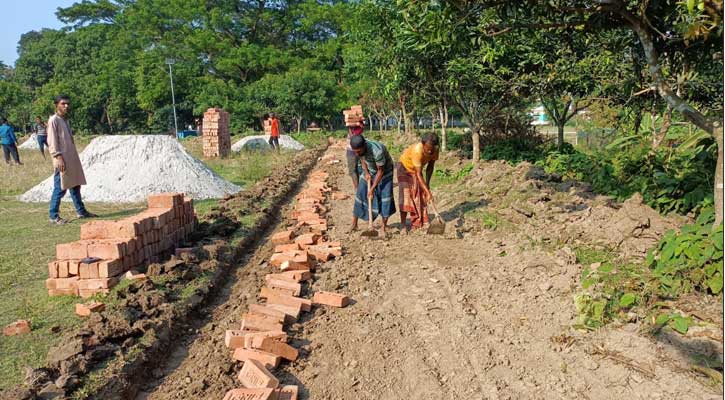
(260, 142)
(126, 169)
(31, 143)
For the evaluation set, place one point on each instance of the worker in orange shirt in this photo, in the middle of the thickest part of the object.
(274, 135)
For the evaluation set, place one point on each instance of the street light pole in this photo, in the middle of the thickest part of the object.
(171, 62)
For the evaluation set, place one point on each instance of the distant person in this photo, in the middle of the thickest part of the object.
(377, 166)
(353, 165)
(414, 190)
(68, 171)
(274, 131)
(41, 134)
(9, 142)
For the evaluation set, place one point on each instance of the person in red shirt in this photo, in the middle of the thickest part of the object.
(274, 136)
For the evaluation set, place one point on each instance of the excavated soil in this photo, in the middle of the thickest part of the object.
(470, 314)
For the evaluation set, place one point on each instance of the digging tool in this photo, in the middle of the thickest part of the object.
(370, 232)
(437, 226)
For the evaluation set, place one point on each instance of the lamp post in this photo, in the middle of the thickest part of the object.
(170, 62)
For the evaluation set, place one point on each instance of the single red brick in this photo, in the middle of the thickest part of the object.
(18, 327)
(307, 239)
(134, 275)
(281, 276)
(321, 254)
(251, 394)
(73, 267)
(282, 248)
(255, 375)
(63, 292)
(259, 322)
(110, 268)
(293, 288)
(109, 249)
(275, 346)
(268, 359)
(269, 312)
(234, 339)
(100, 283)
(165, 200)
(85, 310)
(330, 299)
(293, 266)
(53, 269)
(98, 230)
(73, 250)
(292, 312)
(249, 337)
(276, 297)
(298, 275)
(283, 237)
(287, 392)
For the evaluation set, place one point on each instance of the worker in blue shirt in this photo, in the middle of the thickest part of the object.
(9, 142)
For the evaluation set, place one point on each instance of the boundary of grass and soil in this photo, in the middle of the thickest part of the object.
(119, 377)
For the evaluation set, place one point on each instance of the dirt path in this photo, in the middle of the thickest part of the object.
(479, 317)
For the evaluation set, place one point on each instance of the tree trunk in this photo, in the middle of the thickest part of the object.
(637, 121)
(713, 127)
(404, 114)
(299, 125)
(398, 119)
(718, 131)
(444, 122)
(476, 139)
(666, 122)
(560, 133)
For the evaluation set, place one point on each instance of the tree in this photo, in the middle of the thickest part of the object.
(690, 30)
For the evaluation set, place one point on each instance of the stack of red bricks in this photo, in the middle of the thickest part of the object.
(107, 249)
(353, 116)
(261, 341)
(215, 134)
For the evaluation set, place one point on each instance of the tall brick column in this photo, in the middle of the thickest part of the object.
(216, 139)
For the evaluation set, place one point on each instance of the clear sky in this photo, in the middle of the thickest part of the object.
(21, 16)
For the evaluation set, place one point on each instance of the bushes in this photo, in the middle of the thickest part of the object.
(691, 259)
(669, 179)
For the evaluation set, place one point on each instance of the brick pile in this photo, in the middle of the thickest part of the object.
(108, 249)
(215, 134)
(353, 116)
(261, 341)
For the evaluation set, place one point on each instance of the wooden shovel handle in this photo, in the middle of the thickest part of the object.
(370, 206)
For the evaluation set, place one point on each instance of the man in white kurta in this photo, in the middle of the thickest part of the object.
(67, 169)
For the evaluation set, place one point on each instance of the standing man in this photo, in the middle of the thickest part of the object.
(414, 191)
(41, 135)
(68, 171)
(274, 134)
(377, 166)
(9, 142)
(353, 162)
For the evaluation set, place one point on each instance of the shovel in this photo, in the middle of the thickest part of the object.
(437, 226)
(371, 232)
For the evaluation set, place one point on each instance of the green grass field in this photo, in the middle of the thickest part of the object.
(28, 244)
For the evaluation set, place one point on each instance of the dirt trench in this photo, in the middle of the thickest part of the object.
(437, 317)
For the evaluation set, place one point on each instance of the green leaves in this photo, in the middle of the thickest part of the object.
(627, 300)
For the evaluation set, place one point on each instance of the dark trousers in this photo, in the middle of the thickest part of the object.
(58, 193)
(11, 149)
(274, 142)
